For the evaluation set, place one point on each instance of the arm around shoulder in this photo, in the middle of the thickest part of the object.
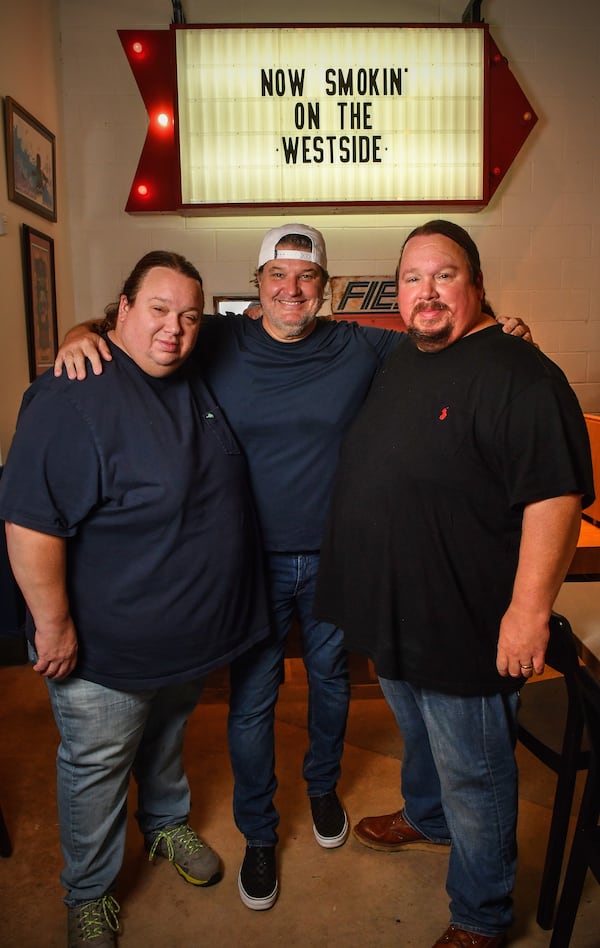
(81, 343)
(514, 326)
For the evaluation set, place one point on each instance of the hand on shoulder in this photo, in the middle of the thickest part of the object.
(80, 344)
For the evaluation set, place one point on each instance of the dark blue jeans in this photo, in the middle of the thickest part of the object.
(255, 680)
(460, 783)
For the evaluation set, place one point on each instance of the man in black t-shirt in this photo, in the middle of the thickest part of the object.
(455, 514)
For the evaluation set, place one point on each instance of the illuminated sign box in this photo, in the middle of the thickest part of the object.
(343, 115)
(324, 115)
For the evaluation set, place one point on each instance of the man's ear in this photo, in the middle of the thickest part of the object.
(123, 307)
(479, 284)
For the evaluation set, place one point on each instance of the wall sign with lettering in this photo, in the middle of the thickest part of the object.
(246, 116)
(371, 300)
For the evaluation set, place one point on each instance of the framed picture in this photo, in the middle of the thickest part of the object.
(30, 161)
(233, 304)
(40, 300)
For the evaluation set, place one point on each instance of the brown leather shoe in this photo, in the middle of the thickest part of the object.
(391, 834)
(463, 939)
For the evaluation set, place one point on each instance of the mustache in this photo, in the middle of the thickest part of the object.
(428, 304)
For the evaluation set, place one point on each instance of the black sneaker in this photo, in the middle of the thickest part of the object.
(257, 880)
(330, 823)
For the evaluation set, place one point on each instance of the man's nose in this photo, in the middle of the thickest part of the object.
(292, 285)
(173, 324)
(428, 289)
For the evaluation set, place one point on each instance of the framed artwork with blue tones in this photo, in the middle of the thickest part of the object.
(30, 161)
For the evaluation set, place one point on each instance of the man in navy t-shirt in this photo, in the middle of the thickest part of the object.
(132, 533)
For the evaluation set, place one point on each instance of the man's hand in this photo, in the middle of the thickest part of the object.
(254, 311)
(522, 643)
(39, 564)
(548, 541)
(80, 344)
(515, 327)
(56, 649)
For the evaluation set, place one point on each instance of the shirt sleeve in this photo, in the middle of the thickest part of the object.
(383, 341)
(52, 478)
(544, 445)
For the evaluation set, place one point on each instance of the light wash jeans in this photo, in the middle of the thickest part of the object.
(255, 680)
(105, 736)
(460, 784)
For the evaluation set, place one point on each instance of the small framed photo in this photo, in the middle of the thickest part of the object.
(40, 300)
(30, 161)
(236, 304)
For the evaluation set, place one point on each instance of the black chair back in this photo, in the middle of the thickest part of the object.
(13, 645)
(551, 726)
(585, 851)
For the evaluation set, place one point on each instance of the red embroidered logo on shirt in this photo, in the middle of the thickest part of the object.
(444, 413)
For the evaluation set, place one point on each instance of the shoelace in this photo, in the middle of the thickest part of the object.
(182, 835)
(94, 917)
(328, 810)
(449, 938)
(259, 865)
(262, 865)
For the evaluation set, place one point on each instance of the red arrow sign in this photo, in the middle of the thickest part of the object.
(508, 120)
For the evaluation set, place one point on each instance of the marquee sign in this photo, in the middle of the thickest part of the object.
(324, 116)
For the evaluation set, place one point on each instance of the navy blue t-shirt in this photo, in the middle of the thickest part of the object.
(289, 404)
(146, 482)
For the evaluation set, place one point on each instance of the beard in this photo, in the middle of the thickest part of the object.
(293, 330)
(430, 341)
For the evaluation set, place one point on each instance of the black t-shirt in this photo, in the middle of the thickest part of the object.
(422, 543)
(146, 482)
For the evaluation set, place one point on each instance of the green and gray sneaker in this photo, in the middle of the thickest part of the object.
(95, 923)
(193, 859)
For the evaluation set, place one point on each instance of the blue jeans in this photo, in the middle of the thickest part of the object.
(255, 680)
(105, 736)
(460, 783)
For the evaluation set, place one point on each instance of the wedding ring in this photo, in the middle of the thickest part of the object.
(526, 667)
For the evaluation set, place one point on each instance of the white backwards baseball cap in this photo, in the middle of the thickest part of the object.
(317, 254)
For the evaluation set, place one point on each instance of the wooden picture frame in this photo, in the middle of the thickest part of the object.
(233, 304)
(40, 300)
(30, 161)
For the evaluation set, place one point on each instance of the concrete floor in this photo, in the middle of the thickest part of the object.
(351, 897)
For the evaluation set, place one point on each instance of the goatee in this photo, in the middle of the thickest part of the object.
(430, 341)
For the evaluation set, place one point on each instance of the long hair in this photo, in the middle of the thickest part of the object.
(131, 286)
